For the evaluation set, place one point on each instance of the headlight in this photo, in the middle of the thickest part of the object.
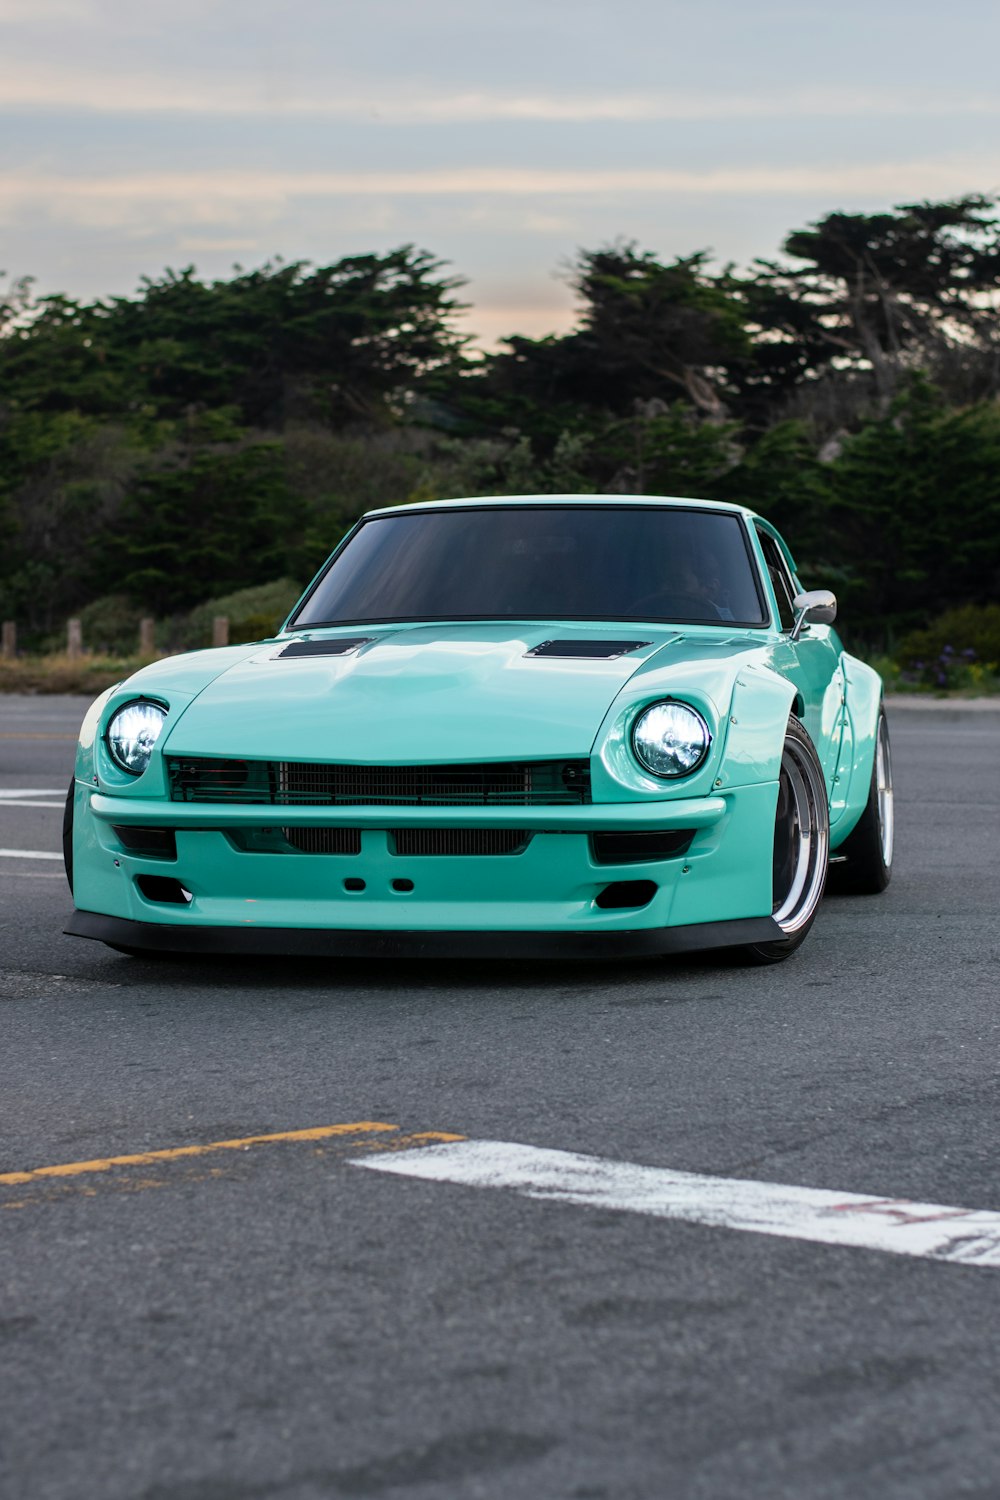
(670, 739)
(132, 733)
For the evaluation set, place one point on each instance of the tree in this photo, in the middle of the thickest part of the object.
(646, 332)
(217, 522)
(915, 509)
(158, 399)
(336, 342)
(881, 292)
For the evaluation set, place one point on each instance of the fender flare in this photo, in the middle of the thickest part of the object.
(760, 707)
(863, 694)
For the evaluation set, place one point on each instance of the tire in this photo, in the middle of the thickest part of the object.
(868, 849)
(67, 835)
(801, 847)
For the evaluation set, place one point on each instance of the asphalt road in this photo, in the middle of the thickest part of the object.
(274, 1321)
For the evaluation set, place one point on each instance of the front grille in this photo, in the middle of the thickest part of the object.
(540, 783)
(460, 840)
(292, 840)
(324, 840)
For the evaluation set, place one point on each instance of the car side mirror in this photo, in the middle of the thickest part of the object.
(816, 607)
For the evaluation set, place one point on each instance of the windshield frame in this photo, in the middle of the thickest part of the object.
(396, 512)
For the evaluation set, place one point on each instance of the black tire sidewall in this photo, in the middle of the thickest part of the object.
(866, 872)
(781, 948)
(67, 835)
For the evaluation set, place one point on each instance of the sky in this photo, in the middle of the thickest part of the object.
(502, 135)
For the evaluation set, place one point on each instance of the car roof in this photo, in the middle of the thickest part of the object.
(606, 500)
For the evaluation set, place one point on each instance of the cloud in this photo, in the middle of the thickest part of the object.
(212, 198)
(29, 86)
(220, 246)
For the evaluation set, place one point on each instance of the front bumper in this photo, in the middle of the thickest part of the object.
(541, 899)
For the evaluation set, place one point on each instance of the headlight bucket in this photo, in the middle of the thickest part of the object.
(670, 739)
(132, 732)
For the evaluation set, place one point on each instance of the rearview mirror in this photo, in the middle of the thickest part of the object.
(816, 607)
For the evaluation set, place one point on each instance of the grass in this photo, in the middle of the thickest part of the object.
(59, 673)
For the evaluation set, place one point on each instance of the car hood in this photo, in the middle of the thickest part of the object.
(418, 694)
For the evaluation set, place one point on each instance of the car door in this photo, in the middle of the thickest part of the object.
(813, 662)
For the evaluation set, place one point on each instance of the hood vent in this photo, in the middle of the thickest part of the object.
(339, 646)
(591, 649)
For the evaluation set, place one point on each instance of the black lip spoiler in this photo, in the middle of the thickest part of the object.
(315, 942)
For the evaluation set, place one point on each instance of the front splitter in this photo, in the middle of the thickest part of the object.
(311, 942)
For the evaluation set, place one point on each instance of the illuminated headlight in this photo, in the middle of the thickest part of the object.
(132, 733)
(670, 739)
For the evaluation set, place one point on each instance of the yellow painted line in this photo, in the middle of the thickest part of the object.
(386, 1140)
(243, 1143)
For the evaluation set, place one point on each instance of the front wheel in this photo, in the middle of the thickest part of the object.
(801, 846)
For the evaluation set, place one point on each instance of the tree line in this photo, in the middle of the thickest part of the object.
(202, 437)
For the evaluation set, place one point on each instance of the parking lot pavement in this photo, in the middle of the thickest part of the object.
(441, 1230)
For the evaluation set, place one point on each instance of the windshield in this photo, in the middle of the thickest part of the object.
(614, 562)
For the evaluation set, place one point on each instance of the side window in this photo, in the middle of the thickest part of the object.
(784, 589)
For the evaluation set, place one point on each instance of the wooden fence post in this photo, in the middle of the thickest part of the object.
(220, 630)
(9, 639)
(147, 636)
(74, 637)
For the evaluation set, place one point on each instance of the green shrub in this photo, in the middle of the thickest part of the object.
(254, 613)
(110, 626)
(891, 674)
(960, 649)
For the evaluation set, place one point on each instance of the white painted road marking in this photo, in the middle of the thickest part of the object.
(10, 802)
(27, 854)
(929, 1230)
(13, 793)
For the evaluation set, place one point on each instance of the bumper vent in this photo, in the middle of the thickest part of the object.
(543, 783)
(155, 843)
(625, 894)
(638, 848)
(460, 840)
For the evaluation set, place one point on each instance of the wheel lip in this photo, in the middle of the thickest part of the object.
(884, 794)
(811, 837)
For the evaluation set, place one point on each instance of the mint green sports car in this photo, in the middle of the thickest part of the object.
(548, 725)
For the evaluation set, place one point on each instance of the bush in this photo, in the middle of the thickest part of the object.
(254, 614)
(960, 649)
(110, 626)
